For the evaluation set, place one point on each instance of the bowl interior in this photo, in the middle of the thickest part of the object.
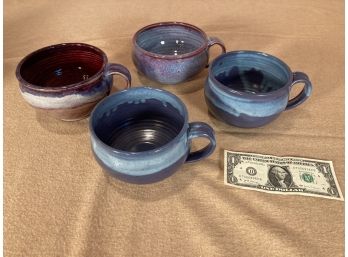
(137, 123)
(170, 39)
(61, 65)
(251, 72)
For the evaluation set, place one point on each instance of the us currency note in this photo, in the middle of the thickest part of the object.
(281, 175)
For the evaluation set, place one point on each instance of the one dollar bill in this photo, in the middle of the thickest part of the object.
(281, 175)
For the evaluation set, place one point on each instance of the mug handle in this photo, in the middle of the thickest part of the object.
(118, 69)
(216, 41)
(300, 77)
(201, 129)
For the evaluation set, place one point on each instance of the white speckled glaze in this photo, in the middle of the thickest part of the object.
(71, 100)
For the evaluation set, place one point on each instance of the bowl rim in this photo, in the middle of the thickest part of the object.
(109, 148)
(91, 79)
(230, 91)
(203, 47)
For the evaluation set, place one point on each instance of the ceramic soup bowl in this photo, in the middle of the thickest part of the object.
(142, 135)
(250, 89)
(172, 52)
(67, 80)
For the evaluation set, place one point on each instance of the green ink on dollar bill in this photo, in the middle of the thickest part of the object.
(282, 175)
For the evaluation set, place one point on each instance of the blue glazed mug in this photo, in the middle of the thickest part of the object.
(250, 89)
(142, 135)
(172, 52)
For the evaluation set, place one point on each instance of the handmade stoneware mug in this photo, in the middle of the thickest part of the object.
(172, 52)
(250, 89)
(67, 80)
(142, 135)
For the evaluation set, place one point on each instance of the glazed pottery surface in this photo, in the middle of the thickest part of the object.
(142, 135)
(67, 80)
(172, 52)
(250, 89)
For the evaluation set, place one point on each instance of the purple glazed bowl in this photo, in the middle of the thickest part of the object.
(172, 52)
(67, 80)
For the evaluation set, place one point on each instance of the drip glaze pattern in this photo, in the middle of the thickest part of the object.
(251, 89)
(67, 80)
(142, 135)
